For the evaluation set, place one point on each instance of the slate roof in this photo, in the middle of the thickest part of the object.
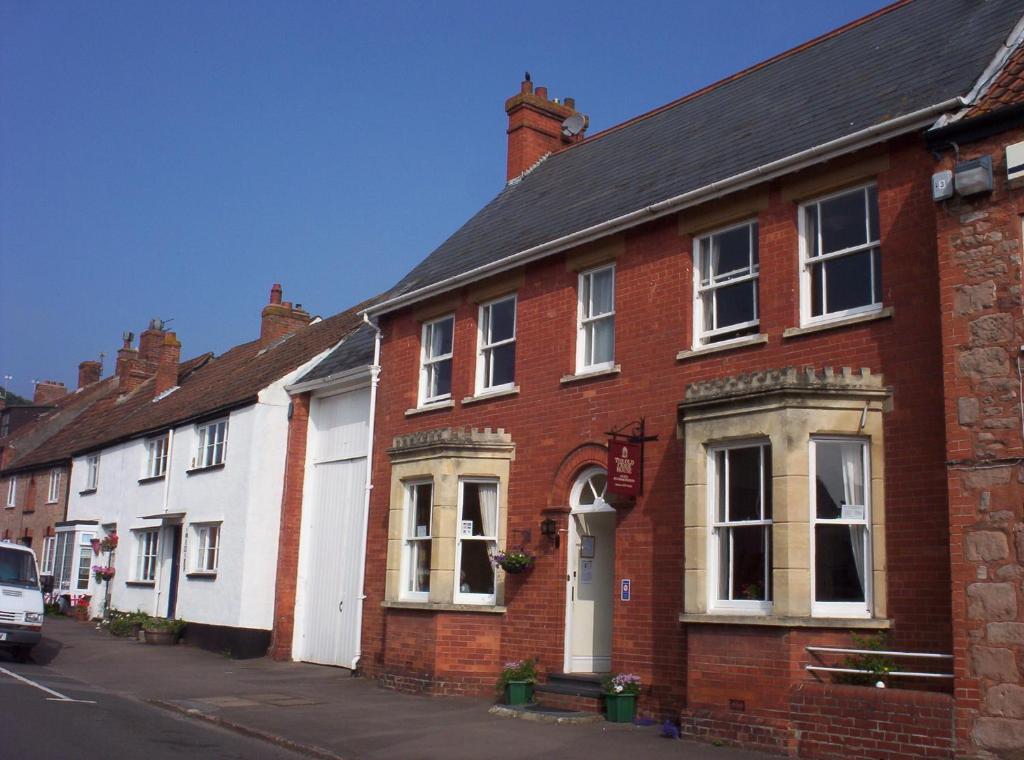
(904, 58)
(355, 351)
(208, 386)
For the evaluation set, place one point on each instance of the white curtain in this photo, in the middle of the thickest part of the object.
(853, 494)
(488, 508)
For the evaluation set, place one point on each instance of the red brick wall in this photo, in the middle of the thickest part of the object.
(291, 529)
(548, 421)
(32, 516)
(982, 332)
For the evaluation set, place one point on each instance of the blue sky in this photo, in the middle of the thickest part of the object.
(174, 159)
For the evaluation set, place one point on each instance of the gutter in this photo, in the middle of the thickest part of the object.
(346, 377)
(374, 382)
(818, 154)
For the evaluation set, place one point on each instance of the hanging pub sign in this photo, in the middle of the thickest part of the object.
(626, 459)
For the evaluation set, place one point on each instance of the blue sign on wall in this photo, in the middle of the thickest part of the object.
(625, 589)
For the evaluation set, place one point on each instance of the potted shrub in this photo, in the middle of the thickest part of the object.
(514, 560)
(109, 543)
(620, 692)
(103, 573)
(81, 607)
(517, 680)
(162, 631)
(127, 623)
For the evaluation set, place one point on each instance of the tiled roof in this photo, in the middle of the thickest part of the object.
(903, 59)
(207, 385)
(1006, 90)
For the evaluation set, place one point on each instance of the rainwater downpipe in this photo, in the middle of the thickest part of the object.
(167, 497)
(374, 382)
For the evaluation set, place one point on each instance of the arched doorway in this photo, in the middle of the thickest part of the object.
(590, 575)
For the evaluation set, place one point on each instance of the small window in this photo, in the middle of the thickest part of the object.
(595, 341)
(145, 555)
(840, 512)
(212, 444)
(496, 361)
(418, 515)
(53, 492)
(477, 536)
(207, 539)
(12, 491)
(726, 270)
(841, 257)
(741, 533)
(156, 456)
(92, 472)
(49, 552)
(84, 561)
(436, 363)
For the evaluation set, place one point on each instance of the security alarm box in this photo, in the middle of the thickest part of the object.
(1015, 161)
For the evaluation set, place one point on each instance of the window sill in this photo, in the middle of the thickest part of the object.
(10, 506)
(581, 376)
(714, 348)
(444, 607)
(87, 492)
(488, 395)
(151, 479)
(141, 584)
(202, 575)
(200, 470)
(720, 618)
(856, 319)
(435, 407)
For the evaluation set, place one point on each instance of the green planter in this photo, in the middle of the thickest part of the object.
(518, 692)
(619, 708)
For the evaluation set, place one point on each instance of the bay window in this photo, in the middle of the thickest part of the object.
(416, 559)
(476, 540)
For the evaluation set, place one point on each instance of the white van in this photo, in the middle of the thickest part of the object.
(21, 600)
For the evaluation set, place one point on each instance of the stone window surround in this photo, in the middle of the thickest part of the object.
(786, 408)
(444, 456)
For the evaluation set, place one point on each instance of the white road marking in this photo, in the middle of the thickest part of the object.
(57, 696)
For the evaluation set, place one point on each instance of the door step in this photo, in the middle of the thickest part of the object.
(571, 691)
(542, 714)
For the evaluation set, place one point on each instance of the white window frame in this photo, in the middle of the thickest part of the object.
(92, 472)
(147, 548)
(53, 489)
(842, 609)
(202, 561)
(12, 492)
(484, 379)
(585, 320)
(745, 606)
(82, 571)
(49, 554)
(206, 447)
(468, 598)
(427, 361)
(702, 289)
(807, 261)
(157, 454)
(408, 540)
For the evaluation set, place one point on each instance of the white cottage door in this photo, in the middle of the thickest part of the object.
(330, 548)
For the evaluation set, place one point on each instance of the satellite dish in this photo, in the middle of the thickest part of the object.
(574, 125)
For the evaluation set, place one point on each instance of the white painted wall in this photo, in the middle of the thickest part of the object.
(244, 496)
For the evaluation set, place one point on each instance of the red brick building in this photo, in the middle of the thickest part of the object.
(753, 272)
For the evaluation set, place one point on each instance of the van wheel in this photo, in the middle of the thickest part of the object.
(22, 654)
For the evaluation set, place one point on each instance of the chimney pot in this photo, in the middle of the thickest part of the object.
(89, 372)
(280, 318)
(275, 293)
(535, 127)
(541, 92)
(570, 103)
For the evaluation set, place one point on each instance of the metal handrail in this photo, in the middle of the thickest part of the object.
(879, 651)
(884, 653)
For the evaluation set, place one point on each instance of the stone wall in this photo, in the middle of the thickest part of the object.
(983, 331)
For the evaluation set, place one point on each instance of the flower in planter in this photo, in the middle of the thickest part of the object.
(109, 543)
(514, 560)
(103, 572)
(622, 683)
(517, 670)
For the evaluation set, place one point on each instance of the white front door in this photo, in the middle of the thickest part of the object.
(590, 578)
(331, 544)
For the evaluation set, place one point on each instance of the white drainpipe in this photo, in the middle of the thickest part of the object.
(374, 382)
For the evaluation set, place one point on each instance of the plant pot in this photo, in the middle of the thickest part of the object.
(160, 638)
(619, 708)
(518, 693)
(517, 569)
(81, 613)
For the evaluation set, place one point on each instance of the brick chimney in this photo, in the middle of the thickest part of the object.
(131, 370)
(89, 372)
(151, 342)
(535, 127)
(280, 318)
(48, 391)
(167, 363)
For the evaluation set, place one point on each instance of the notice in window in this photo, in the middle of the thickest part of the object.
(586, 571)
(853, 512)
(467, 527)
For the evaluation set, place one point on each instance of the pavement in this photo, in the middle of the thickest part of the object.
(324, 712)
